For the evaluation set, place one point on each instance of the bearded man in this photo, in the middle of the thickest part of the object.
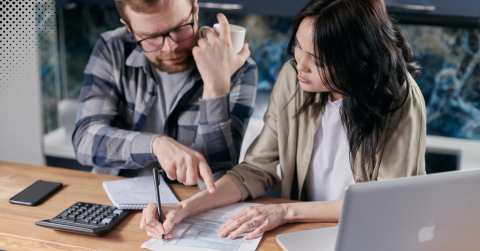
(155, 92)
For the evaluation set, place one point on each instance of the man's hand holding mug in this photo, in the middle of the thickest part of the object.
(216, 58)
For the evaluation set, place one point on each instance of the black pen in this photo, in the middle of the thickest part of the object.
(156, 180)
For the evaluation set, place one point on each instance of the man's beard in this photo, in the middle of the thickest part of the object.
(186, 63)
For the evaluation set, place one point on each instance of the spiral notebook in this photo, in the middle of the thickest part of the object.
(138, 192)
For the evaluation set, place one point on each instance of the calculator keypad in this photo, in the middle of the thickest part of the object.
(86, 218)
(90, 214)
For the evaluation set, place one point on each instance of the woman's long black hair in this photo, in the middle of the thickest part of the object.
(367, 59)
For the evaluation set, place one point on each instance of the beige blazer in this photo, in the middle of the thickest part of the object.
(289, 141)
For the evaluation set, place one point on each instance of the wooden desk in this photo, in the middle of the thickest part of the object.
(17, 223)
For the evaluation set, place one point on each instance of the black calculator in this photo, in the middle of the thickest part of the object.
(86, 218)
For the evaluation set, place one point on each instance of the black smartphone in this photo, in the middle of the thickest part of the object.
(36, 193)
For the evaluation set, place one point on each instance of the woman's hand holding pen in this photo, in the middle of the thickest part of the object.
(172, 214)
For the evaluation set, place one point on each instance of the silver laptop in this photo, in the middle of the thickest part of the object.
(431, 212)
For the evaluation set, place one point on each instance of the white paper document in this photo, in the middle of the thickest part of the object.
(138, 192)
(200, 233)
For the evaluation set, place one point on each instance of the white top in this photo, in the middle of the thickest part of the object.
(329, 172)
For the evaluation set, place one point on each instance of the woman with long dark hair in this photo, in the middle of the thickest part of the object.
(345, 110)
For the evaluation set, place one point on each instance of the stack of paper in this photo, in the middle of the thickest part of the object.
(200, 233)
(137, 193)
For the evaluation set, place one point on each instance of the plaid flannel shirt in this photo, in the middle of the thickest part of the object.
(119, 91)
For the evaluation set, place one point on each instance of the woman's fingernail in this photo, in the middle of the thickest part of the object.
(211, 189)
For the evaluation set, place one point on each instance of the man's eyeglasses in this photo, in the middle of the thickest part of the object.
(178, 34)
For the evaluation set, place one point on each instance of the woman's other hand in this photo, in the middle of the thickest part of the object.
(266, 217)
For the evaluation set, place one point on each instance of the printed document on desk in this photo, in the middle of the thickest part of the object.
(136, 193)
(200, 233)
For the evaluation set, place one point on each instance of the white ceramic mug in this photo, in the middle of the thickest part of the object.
(237, 34)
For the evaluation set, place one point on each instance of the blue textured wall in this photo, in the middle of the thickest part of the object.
(450, 58)
(451, 78)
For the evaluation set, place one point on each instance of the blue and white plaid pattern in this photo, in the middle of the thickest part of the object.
(119, 91)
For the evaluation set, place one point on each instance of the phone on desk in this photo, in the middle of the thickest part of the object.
(36, 193)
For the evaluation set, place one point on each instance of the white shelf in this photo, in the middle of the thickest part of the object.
(58, 144)
(468, 151)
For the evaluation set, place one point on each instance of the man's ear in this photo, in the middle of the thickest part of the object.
(126, 25)
(195, 10)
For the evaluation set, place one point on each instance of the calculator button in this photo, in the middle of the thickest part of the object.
(118, 211)
(107, 220)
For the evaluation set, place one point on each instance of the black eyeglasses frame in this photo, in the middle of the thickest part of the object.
(168, 34)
